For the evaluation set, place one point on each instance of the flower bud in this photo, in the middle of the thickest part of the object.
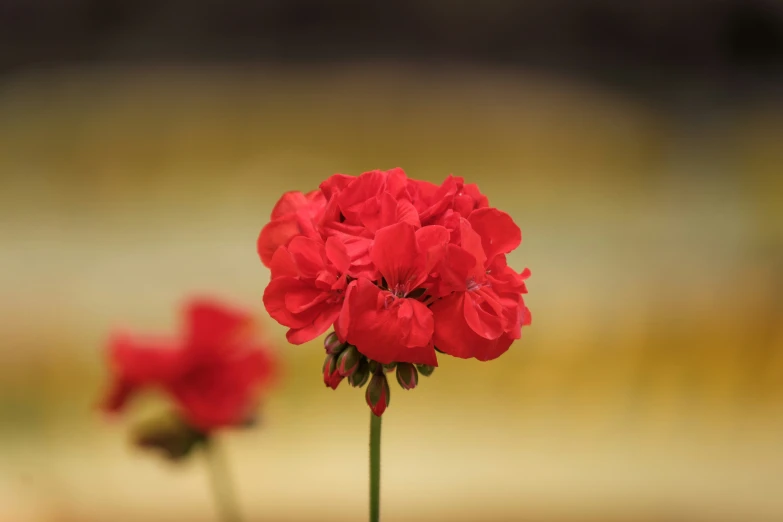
(333, 345)
(407, 376)
(348, 361)
(169, 435)
(332, 376)
(425, 369)
(389, 367)
(378, 394)
(362, 374)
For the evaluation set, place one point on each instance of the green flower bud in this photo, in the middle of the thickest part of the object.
(332, 377)
(378, 394)
(333, 345)
(348, 361)
(407, 376)
(169, 435)
(362, 374)
(425, 369)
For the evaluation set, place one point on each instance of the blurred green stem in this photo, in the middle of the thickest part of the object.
(375, 468)
(220, 479)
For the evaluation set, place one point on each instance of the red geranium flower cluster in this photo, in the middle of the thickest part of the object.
(214, 372)
(400, 267)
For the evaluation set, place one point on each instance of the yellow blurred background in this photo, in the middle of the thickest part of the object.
(649, 386)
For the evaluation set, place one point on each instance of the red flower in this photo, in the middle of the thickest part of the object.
(214, 371)
(387, 323)
(307, 287)
(481, 310)
(400, 268)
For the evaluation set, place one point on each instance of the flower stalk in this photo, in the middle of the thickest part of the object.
(220, 480)
(375, 467)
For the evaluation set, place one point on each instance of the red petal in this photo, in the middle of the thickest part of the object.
(289, 203)
(282, 264)
(454, 337)
(208, 323)
(304, 298)
(275, 296)
(525, 317)
(335, 184)
(471, 242)
(276, 233)
(441, 199)
(307, 254)
(395, 254)
(469, 199)
(416, 323)
(353, 197)
(396, 182)
(325, 319)
(472, 190)
(136, 363)
(485, 324)
(337, 254)
(358, 249)
(499, 234)
(343, 322)
(407, 213)
(419, 355)
(431, 242)
(455, 269)
(386, 210)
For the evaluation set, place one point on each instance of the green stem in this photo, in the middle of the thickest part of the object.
(220, 479)
(375, 468)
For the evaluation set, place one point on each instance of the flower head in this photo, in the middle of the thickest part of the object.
(400, 268)
(214, 370)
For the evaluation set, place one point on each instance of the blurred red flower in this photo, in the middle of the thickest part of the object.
(215, 370)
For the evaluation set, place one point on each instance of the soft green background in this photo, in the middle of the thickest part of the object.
(649, 387)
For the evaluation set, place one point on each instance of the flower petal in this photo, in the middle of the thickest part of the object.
(441, 199)
(395, 254)
(456, 267)
(337, 254)
(208, 323)
(304, 298)
(354, 196)
(307, 254)
(454, 337)
(323, 321)
(483, 323)
(282, 264)
(289, 203)
(499, 234)
(276, 233)
(279, 291)
(137, 362)
(431, 242)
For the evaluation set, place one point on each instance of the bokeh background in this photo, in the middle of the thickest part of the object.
(638, 145)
